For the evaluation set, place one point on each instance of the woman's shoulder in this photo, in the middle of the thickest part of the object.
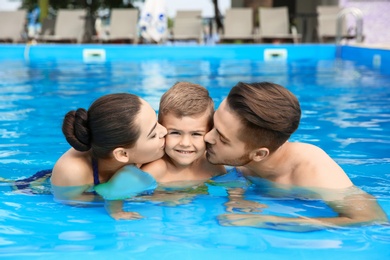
(73, 168)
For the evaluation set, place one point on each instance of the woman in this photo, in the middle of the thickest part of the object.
(117, 130)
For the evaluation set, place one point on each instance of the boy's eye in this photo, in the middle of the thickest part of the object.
(174, 133)
(197, 134)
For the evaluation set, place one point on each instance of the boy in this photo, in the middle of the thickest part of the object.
(186, 110)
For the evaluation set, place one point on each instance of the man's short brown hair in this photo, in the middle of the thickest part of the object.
(269, 113)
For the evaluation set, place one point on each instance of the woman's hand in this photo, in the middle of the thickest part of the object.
(125, 215)
(115, 210)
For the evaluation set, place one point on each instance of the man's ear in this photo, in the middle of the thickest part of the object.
(121, 155)
(259, 154)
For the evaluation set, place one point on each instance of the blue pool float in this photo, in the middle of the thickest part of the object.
(126, 183)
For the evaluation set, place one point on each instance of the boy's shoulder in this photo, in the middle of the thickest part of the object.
(156, 168)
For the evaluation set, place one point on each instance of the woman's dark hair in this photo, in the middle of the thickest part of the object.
(109, 123)
(270, 113)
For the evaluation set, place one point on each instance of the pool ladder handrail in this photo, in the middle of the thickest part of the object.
(357, 13)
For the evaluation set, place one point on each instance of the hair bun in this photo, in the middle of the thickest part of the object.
(76, 131)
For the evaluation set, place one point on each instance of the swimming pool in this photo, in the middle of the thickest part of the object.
(346, 111)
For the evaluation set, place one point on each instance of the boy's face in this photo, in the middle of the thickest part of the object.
(184, 142)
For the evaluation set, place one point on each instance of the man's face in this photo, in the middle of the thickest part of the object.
(223, 145)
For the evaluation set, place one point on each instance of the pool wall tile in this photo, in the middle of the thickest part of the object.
(12, 51)
(138, 52)
(377, 59)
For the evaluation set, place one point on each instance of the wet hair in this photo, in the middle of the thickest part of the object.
(270, 113)
(186, 99)
(109, 123)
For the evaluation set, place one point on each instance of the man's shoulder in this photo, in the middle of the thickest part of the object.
(314, 167)
(300, 145)
(305, 151)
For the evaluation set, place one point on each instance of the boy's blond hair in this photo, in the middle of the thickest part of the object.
(186, 99)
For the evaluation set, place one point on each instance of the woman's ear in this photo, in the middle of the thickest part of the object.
(121, 155)
(259, 154)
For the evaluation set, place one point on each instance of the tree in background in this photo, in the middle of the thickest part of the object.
(217, 16)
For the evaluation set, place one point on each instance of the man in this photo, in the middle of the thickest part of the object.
(251, 131)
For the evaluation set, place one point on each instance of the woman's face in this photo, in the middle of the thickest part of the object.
(150, 145)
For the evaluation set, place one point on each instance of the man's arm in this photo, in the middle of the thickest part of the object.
(357, 209)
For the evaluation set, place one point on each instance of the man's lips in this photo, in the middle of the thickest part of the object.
(209, 149)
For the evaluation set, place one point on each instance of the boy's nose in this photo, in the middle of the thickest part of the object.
(185, 140)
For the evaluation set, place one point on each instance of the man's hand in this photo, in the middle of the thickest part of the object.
(236, 202)
(244, 206)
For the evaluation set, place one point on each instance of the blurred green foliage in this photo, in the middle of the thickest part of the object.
(73, 4)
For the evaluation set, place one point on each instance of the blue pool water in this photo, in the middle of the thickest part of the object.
(346, 111)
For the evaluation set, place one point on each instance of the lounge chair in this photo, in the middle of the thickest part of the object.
(327, 24)
(123, 26)
(187, 26)
(275, 25)
(238, 25)
(12, 25)
(48, 27)
(69, 27)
